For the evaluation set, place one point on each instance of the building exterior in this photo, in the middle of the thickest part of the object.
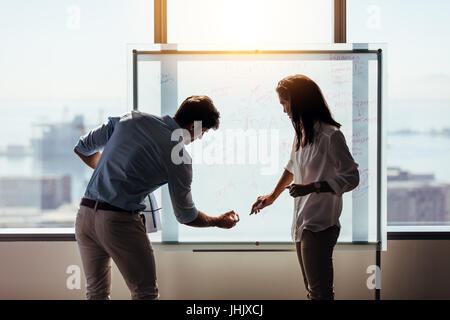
(57, 139)
(44, 192)
(416, 199)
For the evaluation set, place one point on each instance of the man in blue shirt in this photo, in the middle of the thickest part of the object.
(140, 153)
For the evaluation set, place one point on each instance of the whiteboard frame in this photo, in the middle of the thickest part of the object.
(381, 243)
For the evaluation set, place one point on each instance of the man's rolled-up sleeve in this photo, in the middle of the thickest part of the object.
(97, 138)
(346, 176)
(179, 184)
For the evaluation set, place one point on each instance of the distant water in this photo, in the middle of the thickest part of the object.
(418, 115)
(421, 153)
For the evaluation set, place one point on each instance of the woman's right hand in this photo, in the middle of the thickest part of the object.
(261, 202)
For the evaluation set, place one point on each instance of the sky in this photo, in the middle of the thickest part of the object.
(416, 33)
(49, 53)
(59, 49)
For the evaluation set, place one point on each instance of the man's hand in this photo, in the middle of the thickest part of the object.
(227, 220)
(299, 190)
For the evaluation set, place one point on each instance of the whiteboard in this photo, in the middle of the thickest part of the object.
(245, 157)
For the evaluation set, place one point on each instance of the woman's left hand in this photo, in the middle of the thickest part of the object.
(299, 190)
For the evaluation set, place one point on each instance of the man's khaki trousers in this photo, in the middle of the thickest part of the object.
(102, 235)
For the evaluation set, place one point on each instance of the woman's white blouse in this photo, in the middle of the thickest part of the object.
(326, 159)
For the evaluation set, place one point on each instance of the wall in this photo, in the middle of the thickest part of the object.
(410, 270)
(416, 269)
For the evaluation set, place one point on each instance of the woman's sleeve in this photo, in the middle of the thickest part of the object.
(346, 176)
(290, 165)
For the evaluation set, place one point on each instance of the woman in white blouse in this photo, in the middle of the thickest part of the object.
(322, 169)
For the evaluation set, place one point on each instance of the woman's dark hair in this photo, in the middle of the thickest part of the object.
(198, 108)
(308, 106)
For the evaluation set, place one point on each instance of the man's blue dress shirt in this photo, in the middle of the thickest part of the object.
(135, 161)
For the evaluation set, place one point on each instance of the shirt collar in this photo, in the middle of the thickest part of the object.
(173, 125)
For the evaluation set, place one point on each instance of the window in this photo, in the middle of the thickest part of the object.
(249, 22)
(64, 71)
(419, 105)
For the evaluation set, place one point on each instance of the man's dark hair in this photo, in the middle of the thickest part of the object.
(198, 108)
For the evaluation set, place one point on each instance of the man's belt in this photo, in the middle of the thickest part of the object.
(98, 205)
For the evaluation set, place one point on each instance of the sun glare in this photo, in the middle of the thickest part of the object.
(249, 24)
